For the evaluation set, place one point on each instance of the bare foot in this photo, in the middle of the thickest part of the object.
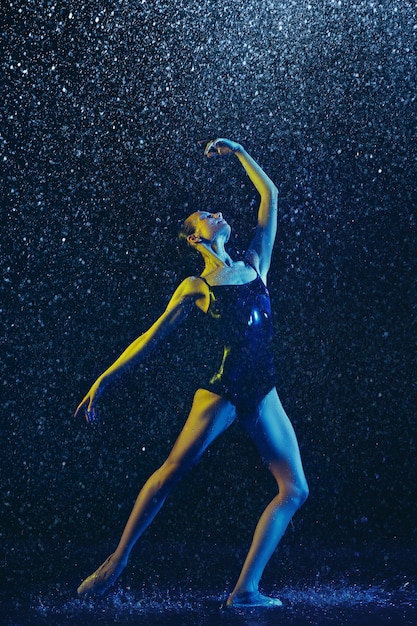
(103, 577)
(252, 599)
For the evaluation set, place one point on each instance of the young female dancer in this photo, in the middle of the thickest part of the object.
(234, 297)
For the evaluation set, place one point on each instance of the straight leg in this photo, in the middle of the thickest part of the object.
(210, 415)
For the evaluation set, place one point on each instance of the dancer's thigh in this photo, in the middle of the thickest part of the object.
(210, 415)
(274, 436)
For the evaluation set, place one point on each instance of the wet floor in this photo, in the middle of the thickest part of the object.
(347, 589)
(338, 604)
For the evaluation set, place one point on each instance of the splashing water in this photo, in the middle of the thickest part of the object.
(339, 603)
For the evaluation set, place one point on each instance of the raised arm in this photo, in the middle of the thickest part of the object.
(191, 292)
(260, 249)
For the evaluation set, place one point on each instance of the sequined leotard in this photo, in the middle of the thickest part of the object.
(241, 315)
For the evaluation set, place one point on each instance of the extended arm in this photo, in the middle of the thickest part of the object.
(262, 244)
(187, 295)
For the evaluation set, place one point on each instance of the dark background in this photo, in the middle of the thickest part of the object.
(103, 110)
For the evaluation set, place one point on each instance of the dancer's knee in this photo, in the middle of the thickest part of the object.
(303, 492)
(296, 493)
(171, 472)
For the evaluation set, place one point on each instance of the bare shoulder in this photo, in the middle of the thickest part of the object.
(252, 257)
(192, 290)
(193, 285)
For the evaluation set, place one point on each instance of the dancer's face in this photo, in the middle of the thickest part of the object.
(207, 226)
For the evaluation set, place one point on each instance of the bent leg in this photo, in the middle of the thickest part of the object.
(210, 415)
(275, 438)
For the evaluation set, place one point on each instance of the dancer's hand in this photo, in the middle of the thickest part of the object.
(88, 403)
(221, 147)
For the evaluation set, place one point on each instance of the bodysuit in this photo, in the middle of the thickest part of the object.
(241, 317)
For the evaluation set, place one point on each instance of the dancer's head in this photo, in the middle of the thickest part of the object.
(204, 228)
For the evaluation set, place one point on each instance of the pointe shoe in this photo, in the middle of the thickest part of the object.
(253, 599)
(101, 579)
